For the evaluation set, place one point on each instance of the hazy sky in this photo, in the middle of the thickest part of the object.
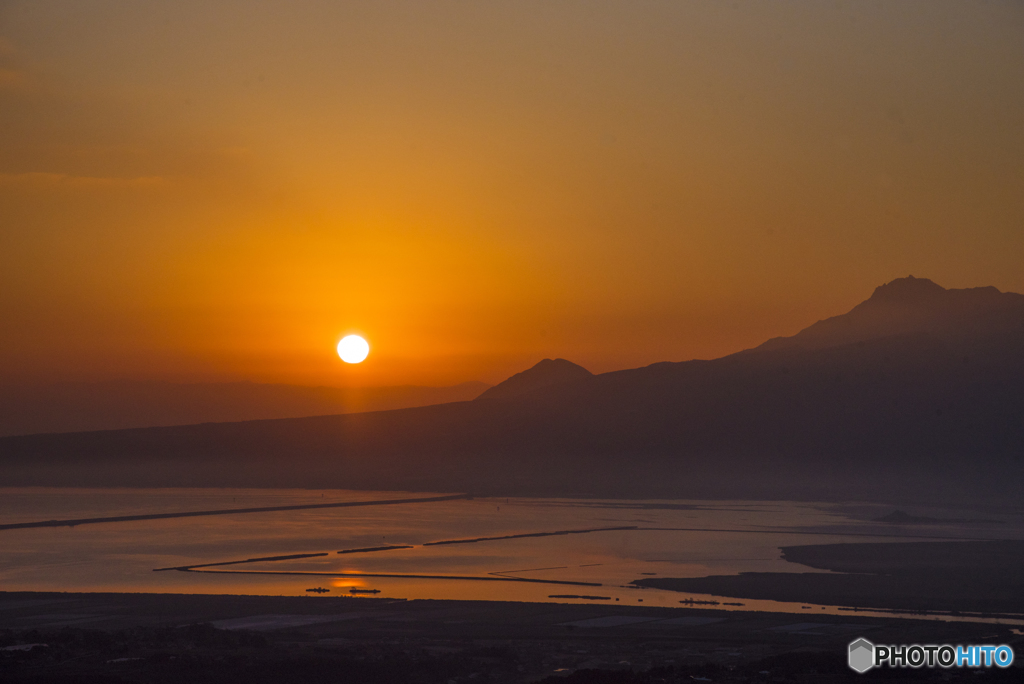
(220, 190)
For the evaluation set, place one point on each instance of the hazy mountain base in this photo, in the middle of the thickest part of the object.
(80, 406)
(976, 577)
(711, 477)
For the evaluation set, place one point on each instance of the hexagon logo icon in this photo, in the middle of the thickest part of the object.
(862, 655)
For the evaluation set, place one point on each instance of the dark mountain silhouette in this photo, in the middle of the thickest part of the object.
(545, 374)
(917, 394)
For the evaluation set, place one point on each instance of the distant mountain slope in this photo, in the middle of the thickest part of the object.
(926, 405)
(545, 374)
(75, 407)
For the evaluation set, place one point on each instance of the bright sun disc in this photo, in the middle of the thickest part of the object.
(353, 349)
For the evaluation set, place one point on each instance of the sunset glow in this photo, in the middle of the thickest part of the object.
(485, 185)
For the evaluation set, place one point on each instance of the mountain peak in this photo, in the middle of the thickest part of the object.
(907, 306)
(909, 290)
(545, 374)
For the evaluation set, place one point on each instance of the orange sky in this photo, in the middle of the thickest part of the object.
(220, 190)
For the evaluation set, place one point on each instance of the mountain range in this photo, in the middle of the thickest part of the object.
(916, 394)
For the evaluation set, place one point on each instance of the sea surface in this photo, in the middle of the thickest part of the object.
(593, 556)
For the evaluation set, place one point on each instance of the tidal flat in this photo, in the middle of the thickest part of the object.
(437, 545)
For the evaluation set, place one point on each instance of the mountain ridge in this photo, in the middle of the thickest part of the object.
(903, 306)
(893, 417)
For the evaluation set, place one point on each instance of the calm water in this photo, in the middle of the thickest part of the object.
(704, 538)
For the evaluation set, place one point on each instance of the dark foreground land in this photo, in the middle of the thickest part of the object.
(128, 638)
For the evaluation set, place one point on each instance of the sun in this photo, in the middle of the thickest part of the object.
(353, 349)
